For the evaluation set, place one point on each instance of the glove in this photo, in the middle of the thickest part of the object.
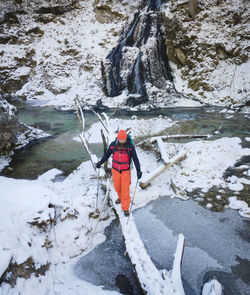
(98, 165)
(139, 175)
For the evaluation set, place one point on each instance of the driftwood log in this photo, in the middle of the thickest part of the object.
(147, 179)
(178, 136)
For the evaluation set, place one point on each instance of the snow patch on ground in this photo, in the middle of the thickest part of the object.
(203, 168)
(69, 204)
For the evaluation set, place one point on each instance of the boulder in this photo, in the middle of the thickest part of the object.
(193, 8)
(10, 128)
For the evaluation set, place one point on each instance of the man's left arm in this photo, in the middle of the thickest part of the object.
(136, 161)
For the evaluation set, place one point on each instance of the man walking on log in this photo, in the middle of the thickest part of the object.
(122, 150)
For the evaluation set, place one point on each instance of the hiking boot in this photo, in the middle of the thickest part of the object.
(118, 201)
(126, 212)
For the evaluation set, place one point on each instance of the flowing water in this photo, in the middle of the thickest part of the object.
(160, 221)
(62, 152)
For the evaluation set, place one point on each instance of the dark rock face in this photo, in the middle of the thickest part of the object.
(10, 128)
(139, 58)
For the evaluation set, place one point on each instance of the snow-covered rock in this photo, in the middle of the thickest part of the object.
(12, 133)
(52, 51)
(213, 287)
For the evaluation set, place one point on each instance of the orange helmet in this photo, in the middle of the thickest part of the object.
(122, 135)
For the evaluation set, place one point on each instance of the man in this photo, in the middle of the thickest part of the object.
(123, 150)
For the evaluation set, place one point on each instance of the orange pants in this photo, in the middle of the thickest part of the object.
(122, 183)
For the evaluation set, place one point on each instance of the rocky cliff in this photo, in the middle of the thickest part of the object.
(208, 45)
(53, 50)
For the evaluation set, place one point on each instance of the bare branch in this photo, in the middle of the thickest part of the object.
(105, 147)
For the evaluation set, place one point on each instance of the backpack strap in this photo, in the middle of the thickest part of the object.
(113, 147)
(129, 149)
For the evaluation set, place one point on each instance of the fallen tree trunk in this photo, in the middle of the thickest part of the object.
(145, 181)
(152, 280)
(176, 270)
(162, 150)
(177, 136)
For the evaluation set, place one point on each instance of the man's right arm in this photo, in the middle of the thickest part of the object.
(106, 155)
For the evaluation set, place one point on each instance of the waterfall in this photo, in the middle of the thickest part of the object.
(139, 59)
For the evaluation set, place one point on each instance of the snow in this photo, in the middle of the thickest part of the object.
(135, 127)
(23, 139)
(237, 204)
(69, 203)
(212, 288)
(4, 161)
(203, 167)
(72, 200)
(152, 281)
(245, 212)
(30, 134)
(5, 260)
(228, 77)
(76, 40)
(160, 221)
(79, 42)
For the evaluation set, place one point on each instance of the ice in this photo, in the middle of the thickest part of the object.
(106, 263)
(159, 222)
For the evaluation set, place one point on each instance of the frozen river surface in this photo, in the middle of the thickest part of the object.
(217, 244)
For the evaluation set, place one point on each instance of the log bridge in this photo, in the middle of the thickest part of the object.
(152, 280)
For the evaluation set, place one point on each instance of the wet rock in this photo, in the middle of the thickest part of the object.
(139, 58)
(9, 126)
(123, 283)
